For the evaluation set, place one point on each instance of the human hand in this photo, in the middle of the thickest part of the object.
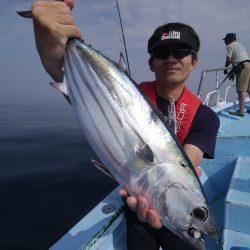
(141, 207)
(53, 25)
(225, 71)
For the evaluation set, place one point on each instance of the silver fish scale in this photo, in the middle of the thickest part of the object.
(125, 100)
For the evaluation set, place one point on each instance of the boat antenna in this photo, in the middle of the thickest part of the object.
(123, 37)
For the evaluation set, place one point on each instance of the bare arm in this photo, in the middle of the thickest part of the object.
(195, 155)
(53, 25)
(228, 61)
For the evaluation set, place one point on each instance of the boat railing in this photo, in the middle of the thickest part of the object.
(221, 94)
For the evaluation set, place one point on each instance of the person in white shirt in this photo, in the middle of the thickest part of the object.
(236, 54)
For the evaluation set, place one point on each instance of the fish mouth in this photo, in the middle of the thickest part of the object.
(195, 236)
(195, 233)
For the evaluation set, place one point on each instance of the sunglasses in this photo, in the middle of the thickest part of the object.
(176, 53)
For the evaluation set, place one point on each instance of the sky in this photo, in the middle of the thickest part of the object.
(23, 79)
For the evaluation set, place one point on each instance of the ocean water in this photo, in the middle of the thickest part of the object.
(47, 182)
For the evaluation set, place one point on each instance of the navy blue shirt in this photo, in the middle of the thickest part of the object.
(204, 128)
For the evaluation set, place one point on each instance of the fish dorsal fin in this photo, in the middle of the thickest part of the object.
(122, 64)
(102, 168)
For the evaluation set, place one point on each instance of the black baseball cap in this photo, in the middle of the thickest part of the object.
(230, 36)
(165, 36)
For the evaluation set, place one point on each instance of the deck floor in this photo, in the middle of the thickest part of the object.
(231, 125)
(233, 143)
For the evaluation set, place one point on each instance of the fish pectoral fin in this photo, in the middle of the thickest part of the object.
(145, 153)
(141, 149)
(102, 168)
(61, 87)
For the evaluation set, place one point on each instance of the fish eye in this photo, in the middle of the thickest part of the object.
(183, 165)
(200, 213)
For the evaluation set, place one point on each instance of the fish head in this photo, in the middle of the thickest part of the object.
(191, 222)
(184, 210)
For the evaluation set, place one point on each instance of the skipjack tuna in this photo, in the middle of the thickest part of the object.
(134, 143)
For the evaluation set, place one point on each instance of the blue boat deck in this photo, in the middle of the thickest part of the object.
(231, 125)
(226, 182)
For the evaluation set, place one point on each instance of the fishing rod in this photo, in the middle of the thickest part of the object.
(123, 37)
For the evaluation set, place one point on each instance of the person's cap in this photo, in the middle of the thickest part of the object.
(164, 37)
(230, 36)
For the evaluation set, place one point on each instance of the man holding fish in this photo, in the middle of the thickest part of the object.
(173, 52)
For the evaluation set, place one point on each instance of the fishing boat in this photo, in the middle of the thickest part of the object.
(225, 179)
